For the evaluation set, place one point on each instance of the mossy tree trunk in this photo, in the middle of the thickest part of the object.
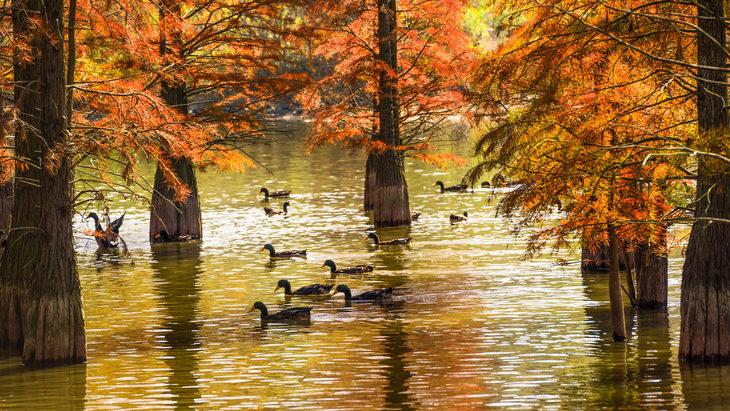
(40, 296)
(176, 219)
(705, 312)
(390, 200)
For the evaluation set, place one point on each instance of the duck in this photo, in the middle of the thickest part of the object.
(395, 241)
(271, 212)
(486, 184)
(106, 238)
(456, 188)
(456, 218)
(415, 216)
(358, 269)
(291, 315)
(274, 194)
(284, 254)
(373, 295)
(314, 289)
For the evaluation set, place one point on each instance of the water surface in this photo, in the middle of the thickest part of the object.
(473, 325)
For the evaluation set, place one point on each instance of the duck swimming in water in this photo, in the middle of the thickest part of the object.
(396, 241)
(274, 194)
(415, 216)
(373, 295)
(314, 289)
(454, 218)
(284, 210)
(106, 238)
(456, 188)
(284, 254)
(292, 315)
(358, 269)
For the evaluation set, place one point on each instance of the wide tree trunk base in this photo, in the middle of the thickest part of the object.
(47, 344)
(11, 331)
(171, 221)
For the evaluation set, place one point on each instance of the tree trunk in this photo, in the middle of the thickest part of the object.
(171, 220)
(614, 288)
(705, 329)
(370, 181)
(391, 202)
(652, 273)
(40, 295)
(630, 287)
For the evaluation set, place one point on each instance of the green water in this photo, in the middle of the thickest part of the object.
(473, 326)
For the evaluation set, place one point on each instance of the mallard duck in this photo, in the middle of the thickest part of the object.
(485, 184)
(314, 289)
(284, 254)
(274, 194)
(297, 314)
(415, 216)
(456, 218)
(459, 187)
(347, 270)
(284, 209)
(396, 241)
(373, 295)
(106, 238)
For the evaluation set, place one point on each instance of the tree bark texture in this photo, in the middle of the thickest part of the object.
(705, 312)
(391, 202)
(652, 273)
(177, 220)
(6, 203)
(370, 181)
(614, 288)
(40, 295)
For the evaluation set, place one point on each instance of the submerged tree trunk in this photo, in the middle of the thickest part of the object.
(175, 220)
(171, 220)
(614, 288)
(390, 202)
(40, 296)
(705, 329)
(652, 274)
(370, 181)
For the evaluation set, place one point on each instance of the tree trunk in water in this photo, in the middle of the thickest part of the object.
(614, 288)
(391, 202)
(175, 219)
(370, 181)
(170, 219)
(652, 273)
(40, 295)
(705, 329)
(631, 288)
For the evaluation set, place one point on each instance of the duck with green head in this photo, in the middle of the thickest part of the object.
(395, 241)
(271, 212)
(372, 295)
(291, 315)
(284, 254)
(274, 194)
(455, 188)
(314, 289)
(358, 269)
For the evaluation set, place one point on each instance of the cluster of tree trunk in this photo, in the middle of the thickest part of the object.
(386, 189)
(705, 312)
(40, 300)
(172, 220)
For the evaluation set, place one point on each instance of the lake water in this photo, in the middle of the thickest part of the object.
(472, 326)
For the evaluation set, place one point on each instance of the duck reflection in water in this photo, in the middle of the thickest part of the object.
(176, 269)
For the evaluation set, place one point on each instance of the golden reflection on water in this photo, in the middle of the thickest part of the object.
(472, 325)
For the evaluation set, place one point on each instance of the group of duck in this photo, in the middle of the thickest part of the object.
(303, 314)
